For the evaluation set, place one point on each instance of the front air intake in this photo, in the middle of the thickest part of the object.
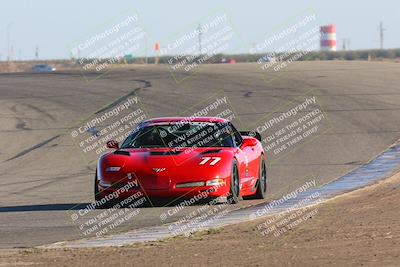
(122, 152)
(165, 153)
(211, 151)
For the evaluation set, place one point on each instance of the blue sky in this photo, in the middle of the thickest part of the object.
(55, 25)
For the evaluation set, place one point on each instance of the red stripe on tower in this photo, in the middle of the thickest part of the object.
(328, 37)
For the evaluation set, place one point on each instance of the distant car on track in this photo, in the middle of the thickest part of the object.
(43, 68)
(182, 157)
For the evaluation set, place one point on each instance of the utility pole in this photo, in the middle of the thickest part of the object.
(37, 53)
(145, 47)
(8, 40)
(11, 52)
(381, 30)
(200, 33)
(345, 44)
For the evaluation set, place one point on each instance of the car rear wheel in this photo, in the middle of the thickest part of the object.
(234, 191)
(262, 181)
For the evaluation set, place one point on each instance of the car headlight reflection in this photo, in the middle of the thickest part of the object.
(104, 184)
(113, 169)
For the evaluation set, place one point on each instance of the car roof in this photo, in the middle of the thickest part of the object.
(185, 119)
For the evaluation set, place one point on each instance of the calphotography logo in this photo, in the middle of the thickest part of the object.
(110, 45)
(203, 43)
(287, 44)
(294, 125)
(107, 127)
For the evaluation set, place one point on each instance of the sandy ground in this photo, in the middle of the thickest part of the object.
(357, 229)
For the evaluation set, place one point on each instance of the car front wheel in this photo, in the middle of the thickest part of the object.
(234, 190)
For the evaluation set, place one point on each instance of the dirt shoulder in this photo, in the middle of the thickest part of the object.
(358, 228)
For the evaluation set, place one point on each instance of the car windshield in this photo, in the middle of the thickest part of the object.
(181, 135)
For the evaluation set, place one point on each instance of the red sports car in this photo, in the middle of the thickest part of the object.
(183, 157)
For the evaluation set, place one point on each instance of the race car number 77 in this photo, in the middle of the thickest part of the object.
(212, 163)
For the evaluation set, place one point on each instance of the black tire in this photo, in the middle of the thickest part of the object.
(97, 196)
(234, 190)
(262, 181)
(96, 188)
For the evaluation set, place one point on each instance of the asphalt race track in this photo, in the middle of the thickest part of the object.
(43, 174)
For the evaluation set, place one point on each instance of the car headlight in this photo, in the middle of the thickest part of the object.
(192, 184)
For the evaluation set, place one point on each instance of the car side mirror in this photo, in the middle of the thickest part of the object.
(113, 144)
(249, 142)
